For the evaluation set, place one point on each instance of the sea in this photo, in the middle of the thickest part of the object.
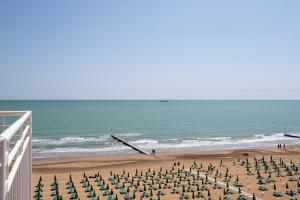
(83, 127)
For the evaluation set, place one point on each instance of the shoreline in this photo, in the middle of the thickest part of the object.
(58, 163)
(84, 147)
(129, 151)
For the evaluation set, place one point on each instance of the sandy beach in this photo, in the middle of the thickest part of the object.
(213, 166)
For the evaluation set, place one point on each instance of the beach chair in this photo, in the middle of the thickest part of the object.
(91, 194)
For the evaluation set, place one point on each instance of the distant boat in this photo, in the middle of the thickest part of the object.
(163, 101)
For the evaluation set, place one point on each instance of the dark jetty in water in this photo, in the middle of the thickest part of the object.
(293, 136)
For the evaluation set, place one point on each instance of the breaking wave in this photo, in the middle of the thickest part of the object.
(105, 144)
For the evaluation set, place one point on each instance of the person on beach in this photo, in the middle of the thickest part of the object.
(153, 151)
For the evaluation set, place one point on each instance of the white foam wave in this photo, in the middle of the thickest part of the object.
(145, 141)
(80, 150)
(224, 142)
(262, 140)
(215, 138)
(65, 140)
(77, 139)
(128, 134)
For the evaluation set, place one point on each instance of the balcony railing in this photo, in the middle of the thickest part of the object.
(16, 156)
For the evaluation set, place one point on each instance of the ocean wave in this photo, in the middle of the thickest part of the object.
(128, 134)
(215, 138)
(145, 141)
(68, 140)
(39, 153)
(205, 143)
(224, 142)
(77, 139)
(80, 150)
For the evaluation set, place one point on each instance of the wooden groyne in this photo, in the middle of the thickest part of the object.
(292, 136)
(130, 145)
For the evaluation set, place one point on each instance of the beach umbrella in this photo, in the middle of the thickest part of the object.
(263, 188)
(277, 194)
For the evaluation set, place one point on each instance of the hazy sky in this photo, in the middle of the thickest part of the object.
(142, 49)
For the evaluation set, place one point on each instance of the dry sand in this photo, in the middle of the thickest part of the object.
(62, 167)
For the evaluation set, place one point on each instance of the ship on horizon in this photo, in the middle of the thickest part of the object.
(163, 101)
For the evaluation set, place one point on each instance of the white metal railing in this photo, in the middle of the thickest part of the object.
(16, 162)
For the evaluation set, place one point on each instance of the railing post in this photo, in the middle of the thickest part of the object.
(3, 168)
(30, 154)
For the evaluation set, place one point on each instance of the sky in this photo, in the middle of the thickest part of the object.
(141, 49)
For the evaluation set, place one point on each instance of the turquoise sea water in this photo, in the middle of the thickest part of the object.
(84, 127)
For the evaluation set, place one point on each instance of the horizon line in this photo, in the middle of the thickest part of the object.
(159, 99)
